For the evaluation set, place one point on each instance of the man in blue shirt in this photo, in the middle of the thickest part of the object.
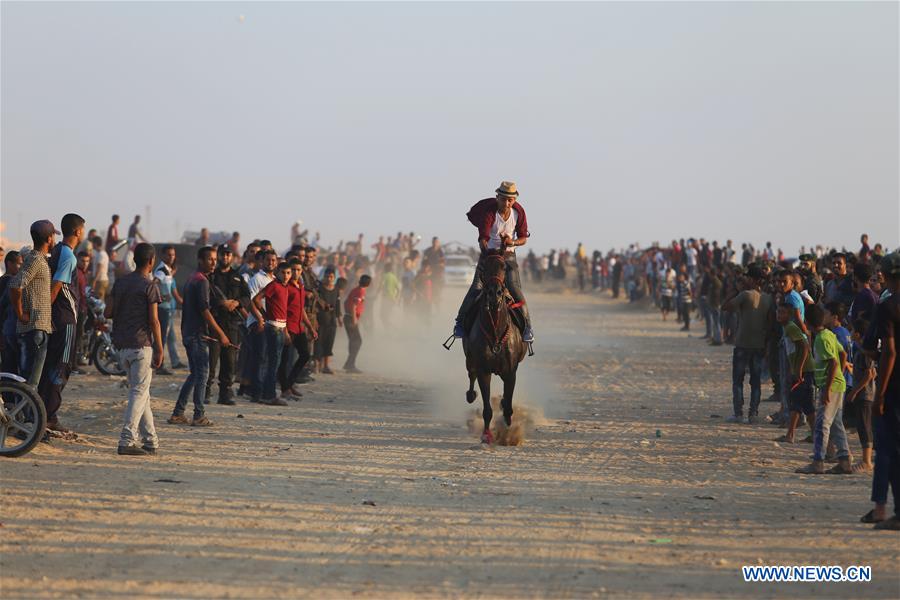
(64, 297)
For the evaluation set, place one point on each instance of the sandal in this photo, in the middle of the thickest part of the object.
(862, 467)
(201, 422)
(869, 517)
(178, 420)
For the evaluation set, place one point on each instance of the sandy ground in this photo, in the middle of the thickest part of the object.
(592, 504)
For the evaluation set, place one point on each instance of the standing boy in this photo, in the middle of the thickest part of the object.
(275, 311)
(354, 306)
(828, 356)
(801, 376)
(133, 307)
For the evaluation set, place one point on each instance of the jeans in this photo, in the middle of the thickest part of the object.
(33, 352)
(712, 319)
(830, 424)
(138, 415)
(704, 310)
(254, 346)
(167, 330)
(11, 354)
(195, 385)
(269, 367)
(293, 360)
(355, 340)
(513, 286)
(887, 452)
(742, 360)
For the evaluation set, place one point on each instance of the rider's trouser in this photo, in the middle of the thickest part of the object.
(513, 286)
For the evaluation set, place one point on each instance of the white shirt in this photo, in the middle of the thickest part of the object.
(501, 227)
(100, 265)
(691, 256)
(259, 280)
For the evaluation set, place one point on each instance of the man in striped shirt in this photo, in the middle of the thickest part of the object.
(64, 296)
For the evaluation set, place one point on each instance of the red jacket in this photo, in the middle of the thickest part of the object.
(482, 216)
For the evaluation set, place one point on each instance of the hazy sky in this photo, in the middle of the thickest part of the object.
(619, 121)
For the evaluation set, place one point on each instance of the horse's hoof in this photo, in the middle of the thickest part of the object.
(470, 397)
(487, 437)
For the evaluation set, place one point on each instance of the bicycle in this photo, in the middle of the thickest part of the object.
(23, 418)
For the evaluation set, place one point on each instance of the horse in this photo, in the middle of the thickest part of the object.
(493, 344)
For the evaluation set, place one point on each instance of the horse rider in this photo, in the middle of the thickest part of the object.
(502, 225)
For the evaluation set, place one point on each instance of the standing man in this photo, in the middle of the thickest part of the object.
(197, 322)
(230, 304)
(501, 225)
(164, 276)
(753, 307)
(354, 306)
(29, 294)
(434, 256)
(112, 235)
(312, 304)
(133, 308)
(64, 298)
(82, 274)
(840, 288)
(99, 268)
(251, 382)
(134, 232)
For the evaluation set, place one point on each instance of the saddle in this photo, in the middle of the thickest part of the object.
(515, 313)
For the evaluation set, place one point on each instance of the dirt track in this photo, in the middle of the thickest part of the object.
(593, 504)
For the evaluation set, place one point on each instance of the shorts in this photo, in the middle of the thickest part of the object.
(802, 398)
(667, 302)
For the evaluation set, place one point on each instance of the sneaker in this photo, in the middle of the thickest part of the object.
(226, 401)
(295, 391)
(274, 402)
(353, 370)
(180, 365)
(178, 420)
(201, 422)
(151, 450)
(814, 468)
(752, 420)
(164, 371)
(735, 419)
(458, 331)
(131, 451)
(327, 371)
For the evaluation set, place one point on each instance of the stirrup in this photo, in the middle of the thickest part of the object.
(448, 343)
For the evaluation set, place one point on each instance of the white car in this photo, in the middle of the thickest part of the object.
(459, 269)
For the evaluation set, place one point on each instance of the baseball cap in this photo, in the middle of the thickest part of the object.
(43, 229)
(224, 248)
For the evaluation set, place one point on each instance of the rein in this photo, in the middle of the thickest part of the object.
(495, 339)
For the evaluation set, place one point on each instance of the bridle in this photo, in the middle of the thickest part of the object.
(493, 335)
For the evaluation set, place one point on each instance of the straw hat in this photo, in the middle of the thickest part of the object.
(507, 188)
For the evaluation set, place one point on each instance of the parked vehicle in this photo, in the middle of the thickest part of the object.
(23, 418)
(101, 352)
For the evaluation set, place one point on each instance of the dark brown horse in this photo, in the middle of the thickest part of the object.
(493, 345)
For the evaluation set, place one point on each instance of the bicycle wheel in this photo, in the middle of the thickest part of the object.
(23, 419)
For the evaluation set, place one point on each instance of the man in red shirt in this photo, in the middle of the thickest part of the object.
(299, 331)
(501, 226)
(354, 306)
(275, 312)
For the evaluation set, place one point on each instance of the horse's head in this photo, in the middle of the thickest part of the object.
(494, 282)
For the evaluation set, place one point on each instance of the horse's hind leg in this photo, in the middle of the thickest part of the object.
(509, 386)
(471, 395)
(484, 383)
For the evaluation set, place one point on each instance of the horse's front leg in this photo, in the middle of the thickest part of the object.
(509, 386)
(484, 382)
(471, 394)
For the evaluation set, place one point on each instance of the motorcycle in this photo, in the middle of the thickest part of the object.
(23, 418)
(100, 350)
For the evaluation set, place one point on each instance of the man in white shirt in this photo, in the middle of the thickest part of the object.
(501, 225)
(252, 374)
(99, 268)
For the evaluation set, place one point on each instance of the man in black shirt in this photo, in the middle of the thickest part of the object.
(230, 301)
